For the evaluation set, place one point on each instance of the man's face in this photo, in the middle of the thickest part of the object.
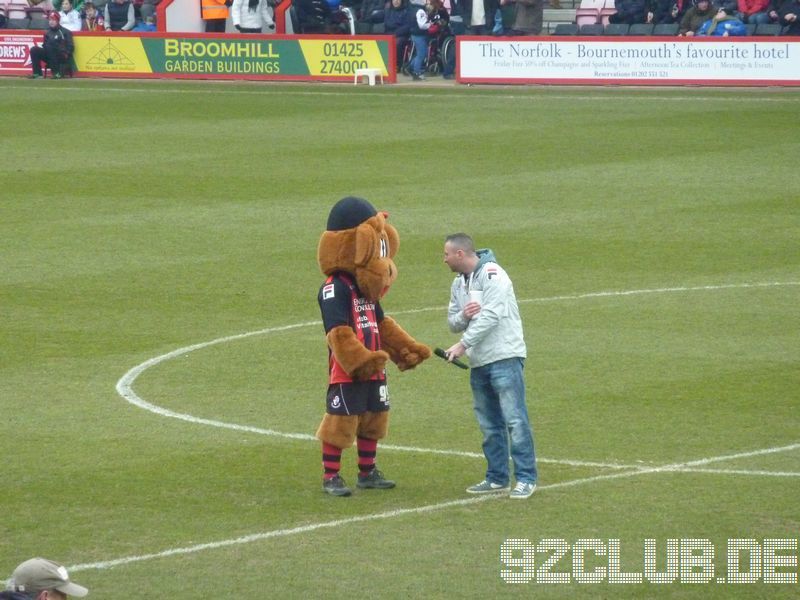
(453, 257)
(53, 23)
(66, 6)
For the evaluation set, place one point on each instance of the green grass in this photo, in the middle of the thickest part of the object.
(141, 218)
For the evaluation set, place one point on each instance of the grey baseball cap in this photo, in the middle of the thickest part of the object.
(39, 574)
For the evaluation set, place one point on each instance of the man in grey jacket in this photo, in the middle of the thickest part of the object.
(483, 308)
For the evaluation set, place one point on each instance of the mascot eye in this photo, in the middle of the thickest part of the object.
(384, 248)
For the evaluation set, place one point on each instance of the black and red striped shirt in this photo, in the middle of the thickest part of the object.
(342, 303)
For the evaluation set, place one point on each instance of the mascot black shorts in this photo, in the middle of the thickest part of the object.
(357, 398)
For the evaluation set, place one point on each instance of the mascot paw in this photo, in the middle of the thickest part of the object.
(374, 364)
(413, 355)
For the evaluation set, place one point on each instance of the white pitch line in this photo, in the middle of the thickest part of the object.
(284, 89)
(743, 472)
(124, 386)
(276, 533)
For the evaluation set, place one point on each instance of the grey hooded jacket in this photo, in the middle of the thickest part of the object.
(495, 333)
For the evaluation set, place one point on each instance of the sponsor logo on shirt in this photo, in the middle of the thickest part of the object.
(327, 292)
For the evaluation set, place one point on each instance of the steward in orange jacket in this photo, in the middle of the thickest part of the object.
(215, 14)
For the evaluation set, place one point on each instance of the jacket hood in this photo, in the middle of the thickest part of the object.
(485, 255)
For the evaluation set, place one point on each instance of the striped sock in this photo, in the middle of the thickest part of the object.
(331, 460)
(367, 449)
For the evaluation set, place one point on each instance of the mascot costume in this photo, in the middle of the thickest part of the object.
(356, 254)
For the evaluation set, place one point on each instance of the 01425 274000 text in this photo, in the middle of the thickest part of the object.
(677, 560)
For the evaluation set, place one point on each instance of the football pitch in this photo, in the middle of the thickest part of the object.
(163, 365)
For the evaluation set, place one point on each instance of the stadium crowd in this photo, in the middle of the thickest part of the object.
(421, 27)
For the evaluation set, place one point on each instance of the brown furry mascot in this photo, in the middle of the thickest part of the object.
(356, 254)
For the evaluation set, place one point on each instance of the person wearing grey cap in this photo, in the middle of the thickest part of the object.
(42, 579)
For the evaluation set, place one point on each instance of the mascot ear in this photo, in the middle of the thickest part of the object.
(368, 243)
(394, 240)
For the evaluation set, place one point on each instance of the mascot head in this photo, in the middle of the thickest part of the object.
(359, 241)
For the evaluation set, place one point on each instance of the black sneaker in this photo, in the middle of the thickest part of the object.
(335, 486)
(374, 481)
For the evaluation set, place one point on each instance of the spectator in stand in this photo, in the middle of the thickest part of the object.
(789, 14)
(395, 22)
(724, 24)
(69, 17)
(43, 5)
(313, 16)
(92, 20)
(147, 24)
(251, 16)
(772, 11)
(753, 11)
(665, 12)
(479, 16)
(58, 5)
(120, 15)
(56, 50)
(419, 24)
(215, 15)
(629, 12)
(373, 11)
(2, 17)
(693, 18)
(528, 16)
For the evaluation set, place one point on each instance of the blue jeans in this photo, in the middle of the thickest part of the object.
(420, 53)
(498, 391)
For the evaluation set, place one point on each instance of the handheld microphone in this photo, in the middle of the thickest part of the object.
(442, 354)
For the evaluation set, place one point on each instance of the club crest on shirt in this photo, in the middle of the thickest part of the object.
(327, 292)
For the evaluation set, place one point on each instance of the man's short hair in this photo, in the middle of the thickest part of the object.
(461, 241)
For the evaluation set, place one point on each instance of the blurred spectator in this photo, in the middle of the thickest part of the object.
(419, 24)
(147, 24)
(664, 12)
(693, 18)
(215, 14)
(2, 17)
(120, 15)
(70, 17)
(480, 16)
(372, 11)
(724, 24)
(629, 11)
(56, 50)
(772, 11)
(754, 11)
(43, 5)
(92, 20)
(789, 14)
(395, 22)
(528, 16)
(42, 579)
(250, 16)
(313, 16)
(76, 4)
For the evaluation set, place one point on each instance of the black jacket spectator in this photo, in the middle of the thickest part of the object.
(314, 16)
(630, 12)
(789, 15)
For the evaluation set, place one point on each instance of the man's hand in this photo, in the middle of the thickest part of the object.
(457, 350)
(471, 309)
